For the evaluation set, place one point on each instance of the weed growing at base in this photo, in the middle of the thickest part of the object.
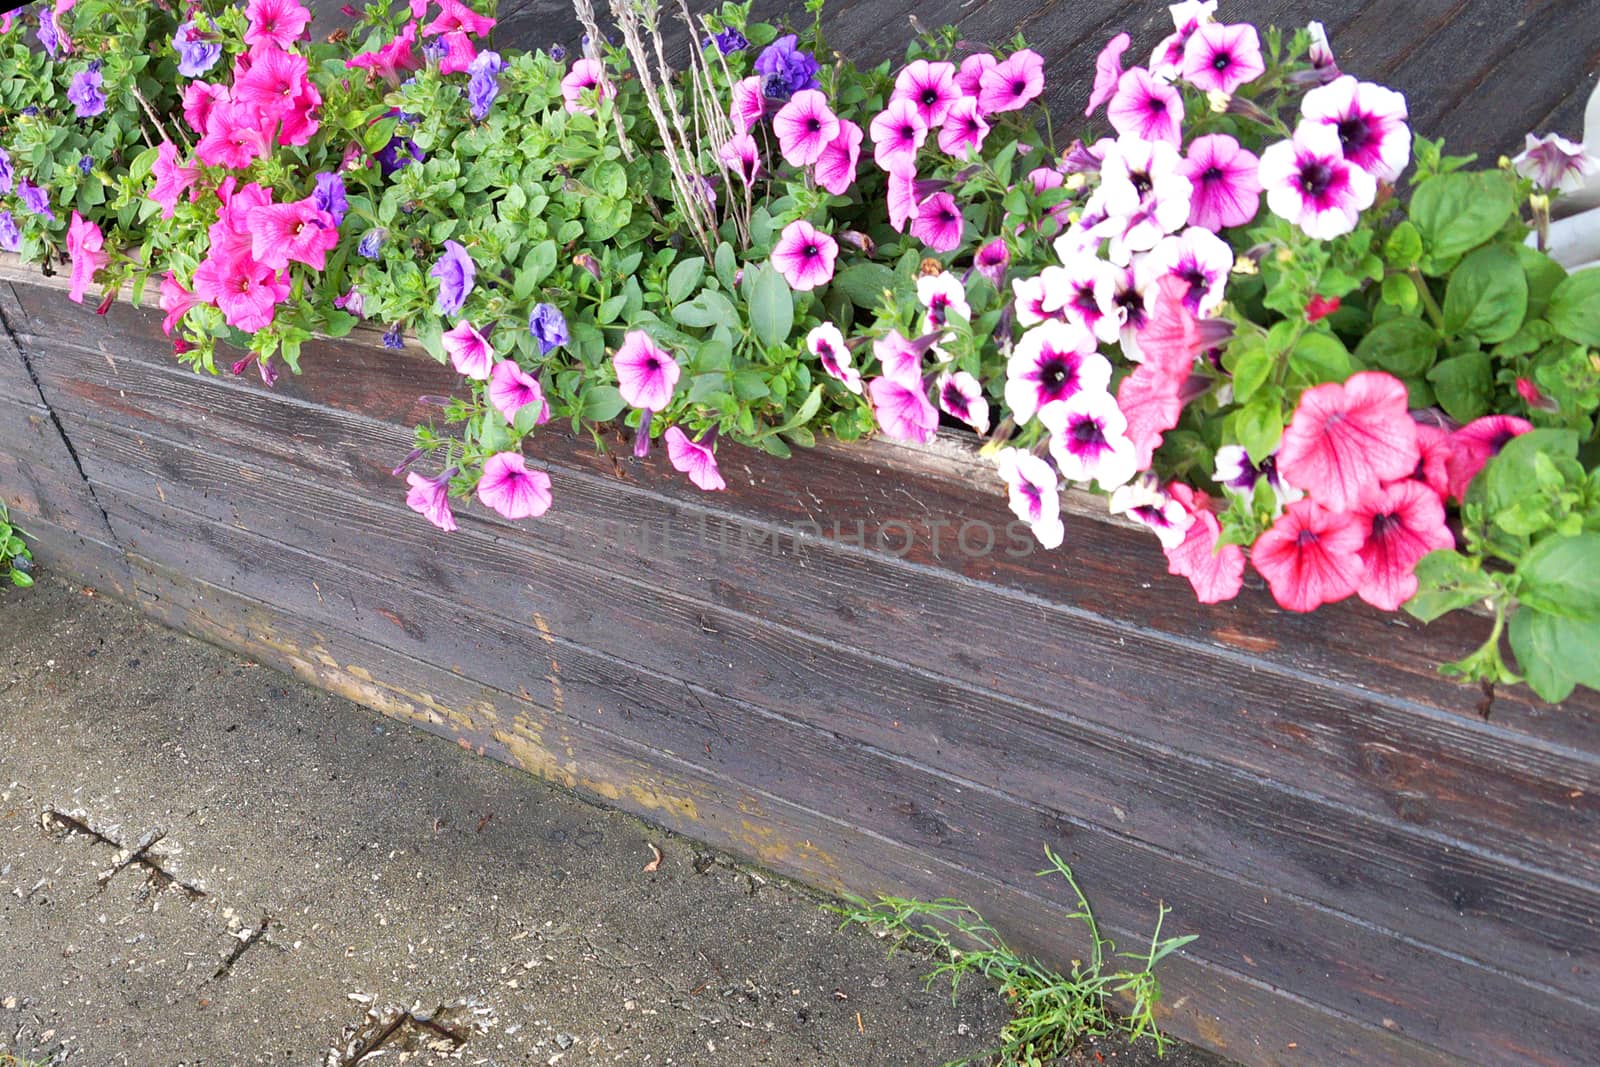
(15, 563)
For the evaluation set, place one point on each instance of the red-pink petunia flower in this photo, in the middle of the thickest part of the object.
(199, 98)
(804, 255)
(939, 223)
(1226, 189)
(586, 76)
(274, 22)
(898, 133)
(274, 83)
(805, 126)
(646, 373)
(247, 292)
(511, 389)
(85, 247)
(1151, 401)
(1216, 575)
(1012, 83)
(392, 59)
(696, 460)
(903, 410)
(470, 352)
(456, 17)
(1171, 336)
(1433, 470)
(1403, 521)
(1310, 556)
(171, 179)
(509, 487)
(175, 301)
(964, 129)
(234, 137)
(1146, 108)
(1220, 58)
(1347, 439)
(836, 167)
(1475, 444)
(931, 88)
(1107, 71)
(298, 232)
(430, 498)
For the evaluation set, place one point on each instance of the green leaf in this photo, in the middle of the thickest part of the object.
(1320, 357)
(727, 265)
(1544, 274)
(1464, 385)
(1555, 654)
(1251, 369)
(379, 134)
(1456, 213)
(1258, 425)
(710, 308)
(1401, 292)
(1506, 478)
(750, 385)
(807, 412)
(1561, 576)
(21, 580)
(864, 283)
(685, 279)
(1447, 581)
(602, 403)
(1487, 295)
(1575, 308)
(1404, 246)
(771, 307)
(494, 435)
(1405, 347)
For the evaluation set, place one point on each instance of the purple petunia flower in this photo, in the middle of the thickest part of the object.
(6, 172)
(85, 165)
(35, 198)
(785, 70)
(558, 52)
(456, 272)
(399, 152)
(370, 243)
(10, 236)
(393, 337)
(86, 93)
(49, 36)
(729, 41)
(549, 327)
(329, 196)
(196, 55)
(483, 83)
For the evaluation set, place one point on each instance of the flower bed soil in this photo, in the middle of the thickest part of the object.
(1377, 873)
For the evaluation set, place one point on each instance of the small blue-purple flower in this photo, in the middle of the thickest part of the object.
(10, 236)
(435, 50)
(785, 70)
(195, 54)
(85, 165)
(85, 92)
(399, 152)
(370, 244)
(329, 196)
(483, 82)
(7, 174)
(456, 273)
(393, 337)
(548, 327)
(36, 199)
(729, 41)
(558, 52)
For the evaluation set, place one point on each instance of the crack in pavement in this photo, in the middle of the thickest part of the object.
(53, 821)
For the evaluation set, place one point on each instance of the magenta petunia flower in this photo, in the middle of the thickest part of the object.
(1012, 83)
(430, 498)
(741, 156)
(646, 374)
(1324, 66)
(1237, 473)
(1135, 303)
(945, 298)
(274, 22)
(509, 487)
(587, 76)
(964, 129)
(804, 256)
(233, 138)
(1555, 163)
(1196, 258)
(1146, 108)
(898, 133)
(1035, 497)
(172, 180)
(969, 78)
(456, 17)
(1220, 58)
(836, 167)
(903, 203)
(805, 126)
(247, 292)
(828, 345)
(696, 460)
(391, 60)
(900, 359)
(939, 223)
(1475, 444)
(931, 88)
(1053, 362)
(1309, 182)
(273, 84)
(469, 351)
(1085, 290)
(1347, 439)
(1226, 190)
(1107, 71)
(1151, 402)
(299, 232)
(85, 247)
(991, 261)
(511, 389)
(1403, 521)
(902, 410)
(175, 301)
(961, 395)
(1370, 122)
(749, 104)
(1088, 439)
(1187, 18)
(199, 99)
(1310, 556)
(1217, 574)
(1036, 300)
(1144, 501)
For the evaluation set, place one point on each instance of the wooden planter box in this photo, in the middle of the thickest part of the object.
(1377, 874)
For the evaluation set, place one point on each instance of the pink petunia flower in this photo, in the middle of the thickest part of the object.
(298, 232)
(1107, 71)
(233, 138)
(1554, 163)
(903, 202)
(902, 410)
(1347, 439)
(247, 292)
(969, 78)
(898, 133)
(172, 180)
(459, 52)
(741, 156)
(430, 498)
(391, 60)
(1475, 444)
(900, 358)
(1216, 574)
(1151, 402)
(85, 247)
(836, 167)
(646, 373)
(1220, 58)
(1309, 182)
(199, 98)
(1088, 439)
(696, 460)
(964, 129)
(961, 395)
(1226, 190)
(1012, 83)
(931, 88)
(273, 83)
(1324, 66)
(1369, 120)
(1310, 556)
(1053, 362)
(1087, 295)
(1146, 108)
(175, 301)
(1187, 18)
(469, 351)
(805, 126)
(274, 22)
(456, 17)
(511, 389)
(828, 345)
(1197, 259)
(991, 261)
(509, 487)
(1145, 502)
(1403, 521)
(586, 76)
(804, 256)
(939, 223)
(749, 104)
(1034, 494)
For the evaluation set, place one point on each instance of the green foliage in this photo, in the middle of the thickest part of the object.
(1051, 1012)
(16, 561)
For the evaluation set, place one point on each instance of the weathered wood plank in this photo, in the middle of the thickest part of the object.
(1257, 1025)
(964, 825)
